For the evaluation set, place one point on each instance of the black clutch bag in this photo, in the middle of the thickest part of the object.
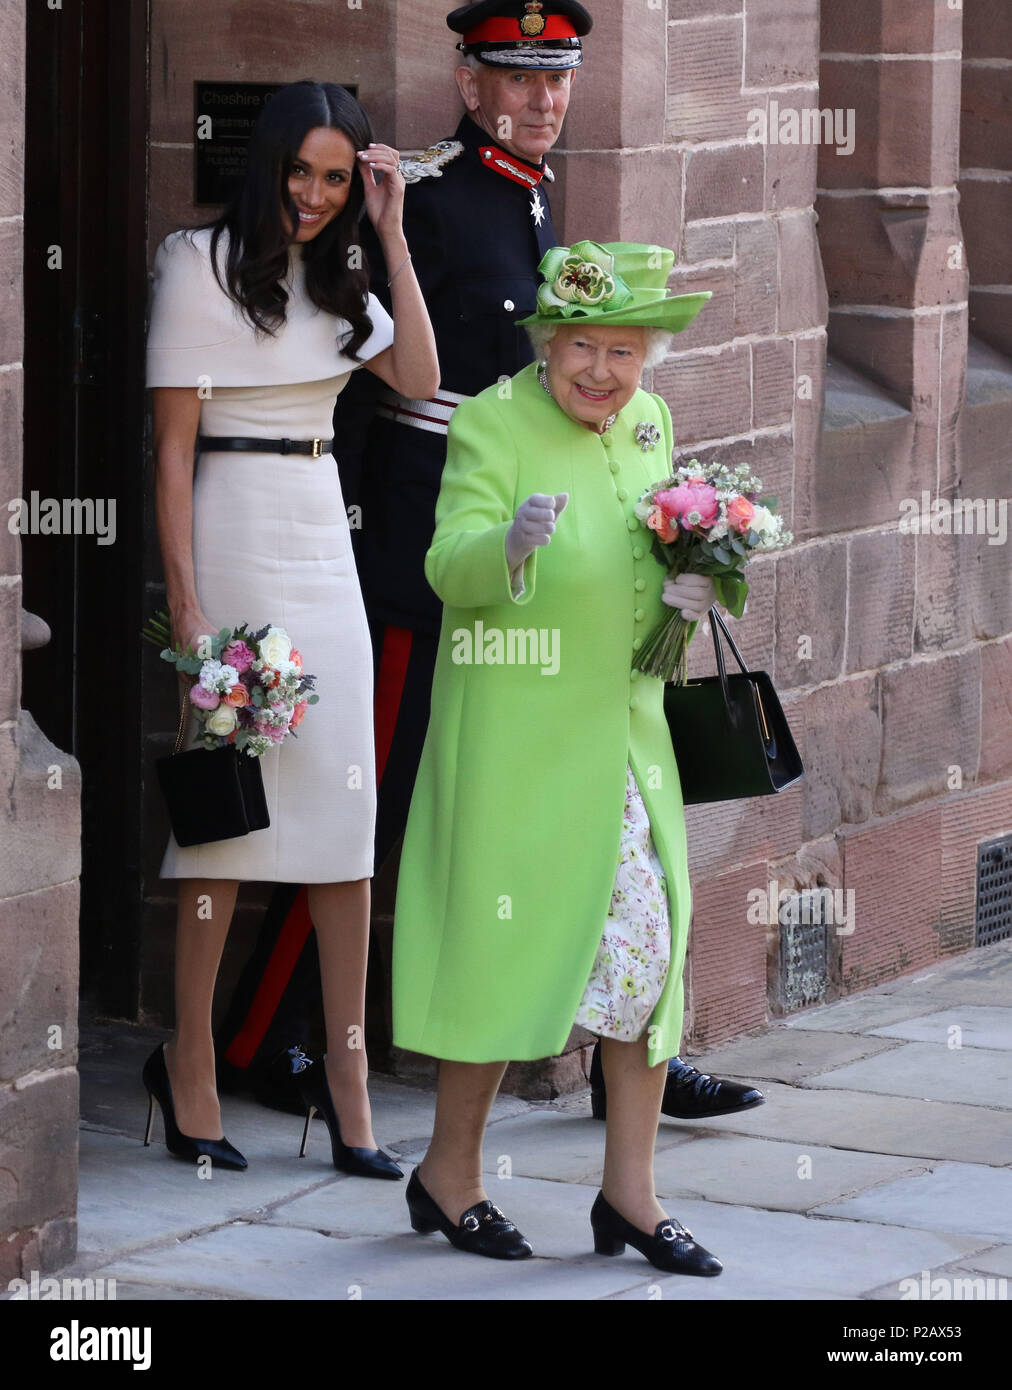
(729, 733)
(212, 794)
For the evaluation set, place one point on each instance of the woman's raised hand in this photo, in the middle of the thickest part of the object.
(694, 594)
(533, 525)
(384, 201)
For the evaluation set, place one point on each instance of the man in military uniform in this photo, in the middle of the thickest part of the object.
(477, 219)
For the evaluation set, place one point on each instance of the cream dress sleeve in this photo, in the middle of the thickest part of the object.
(199, 337)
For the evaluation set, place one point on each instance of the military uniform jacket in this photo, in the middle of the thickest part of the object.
(476, 238)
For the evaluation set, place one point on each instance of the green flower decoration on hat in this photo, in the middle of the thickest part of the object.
(620, 282)
(579, 279)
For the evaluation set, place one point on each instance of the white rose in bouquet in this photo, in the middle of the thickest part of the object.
(221, 721)
(275, 647)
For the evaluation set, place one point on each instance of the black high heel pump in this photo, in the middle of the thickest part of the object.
(156, 1081)
(362, 1163)
(670, 1248)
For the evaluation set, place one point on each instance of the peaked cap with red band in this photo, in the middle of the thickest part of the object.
(540, 35)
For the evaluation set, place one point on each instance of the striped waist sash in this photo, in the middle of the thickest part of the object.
(431, 415)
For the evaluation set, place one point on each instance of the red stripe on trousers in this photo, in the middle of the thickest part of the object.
(393, 670)
(287, 949)
(298, 924)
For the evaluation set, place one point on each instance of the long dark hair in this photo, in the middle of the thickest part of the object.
(257, 257)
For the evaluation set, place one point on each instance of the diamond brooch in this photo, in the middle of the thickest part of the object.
(647, 436)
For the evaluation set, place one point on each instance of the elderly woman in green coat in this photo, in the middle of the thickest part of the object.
(543, 880)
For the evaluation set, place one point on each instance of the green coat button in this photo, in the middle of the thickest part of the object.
(634, 675)
(633, 524)
(613, 466)
(639, 615)
(621, 494)
(638, 552)
(633, 702)
(637, 643)
(640, 585)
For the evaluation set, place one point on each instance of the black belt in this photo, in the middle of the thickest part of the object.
(316, 448)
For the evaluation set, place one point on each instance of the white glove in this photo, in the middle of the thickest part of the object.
(694, 594)
(533, 526)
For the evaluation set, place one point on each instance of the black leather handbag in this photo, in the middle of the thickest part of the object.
(730, 735)
(211, 794)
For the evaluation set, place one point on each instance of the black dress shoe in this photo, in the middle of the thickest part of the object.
(692, 1095)
(156, 1082)
(275, 1082)
(483, 1230)
(271, 1083)
(670, 1248)
(361, 1163)
(688, 1094)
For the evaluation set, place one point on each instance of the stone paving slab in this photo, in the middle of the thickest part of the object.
(997, 1260)
(766, 1254)
(971, 1076)
(990, 1287)
(859, 1014)
(266, 1261)
(130, 1195)
(556, 1144)
(927, 1286)
(937, 994)
(765, 1172)
(789, 1056)
(978, 1026)
(978, 977)
(128, 1292)
(965, 1197)
(872, 1123)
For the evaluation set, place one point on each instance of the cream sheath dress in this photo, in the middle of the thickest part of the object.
(271, 545)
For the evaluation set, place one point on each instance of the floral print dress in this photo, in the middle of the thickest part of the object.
(632, 961)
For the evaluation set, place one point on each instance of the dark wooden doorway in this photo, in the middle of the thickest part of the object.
(84, 424)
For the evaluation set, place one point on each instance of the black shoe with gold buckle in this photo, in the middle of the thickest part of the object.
(483, 1229)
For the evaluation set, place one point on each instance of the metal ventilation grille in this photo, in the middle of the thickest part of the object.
(994, 891)
(804, 957)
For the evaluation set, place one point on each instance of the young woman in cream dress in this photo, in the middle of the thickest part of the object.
(257, 323)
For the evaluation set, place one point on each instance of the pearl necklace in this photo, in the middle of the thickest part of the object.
(543, 378)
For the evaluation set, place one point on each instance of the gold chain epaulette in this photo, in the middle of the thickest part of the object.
(429, 164)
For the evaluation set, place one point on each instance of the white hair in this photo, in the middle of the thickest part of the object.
(659, 341)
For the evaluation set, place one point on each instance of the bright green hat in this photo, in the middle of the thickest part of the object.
(620, 282)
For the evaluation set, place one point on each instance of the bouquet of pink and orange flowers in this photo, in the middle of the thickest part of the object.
(250, 688)
(705, 519)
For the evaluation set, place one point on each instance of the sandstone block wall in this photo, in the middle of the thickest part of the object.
(39, 824)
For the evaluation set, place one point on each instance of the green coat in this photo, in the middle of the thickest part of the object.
(513, 836)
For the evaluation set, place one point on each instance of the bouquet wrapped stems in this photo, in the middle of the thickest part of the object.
(665, 652)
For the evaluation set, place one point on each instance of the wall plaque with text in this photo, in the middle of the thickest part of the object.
(224, 115)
